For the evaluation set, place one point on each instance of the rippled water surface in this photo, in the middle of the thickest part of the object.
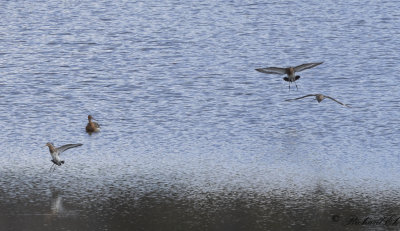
(193, 138)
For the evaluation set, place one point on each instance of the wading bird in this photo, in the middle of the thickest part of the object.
(55, 153)
(319, 98)
(289, 71)
(92, 126)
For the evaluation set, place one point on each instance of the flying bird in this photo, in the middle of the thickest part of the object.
(55, 152)
(289, 71)
(319, 98)
(92, 126)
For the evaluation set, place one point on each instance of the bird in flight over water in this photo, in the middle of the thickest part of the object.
(319, 98)
(55, 153)
(289, 71)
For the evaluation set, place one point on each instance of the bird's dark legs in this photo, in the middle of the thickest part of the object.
(51, 168)
(292, 81)
(296, 78)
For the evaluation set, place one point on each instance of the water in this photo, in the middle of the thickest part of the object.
(193, 138)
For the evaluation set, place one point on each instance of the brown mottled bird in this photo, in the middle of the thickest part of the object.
(319, 98)
(289, 71)
(92, 126)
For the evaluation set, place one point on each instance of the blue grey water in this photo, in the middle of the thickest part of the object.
(192, 136)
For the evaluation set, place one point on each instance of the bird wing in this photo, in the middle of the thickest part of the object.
(272, 70)
(96, 125)
(67, 146)
(337, 101)
(306, 66)
(300, 97)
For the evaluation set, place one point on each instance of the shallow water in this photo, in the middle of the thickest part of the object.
(192, 136)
